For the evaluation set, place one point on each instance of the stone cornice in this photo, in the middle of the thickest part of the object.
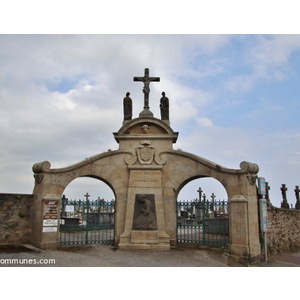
(168, 133)
(245, 167)
(45, 166)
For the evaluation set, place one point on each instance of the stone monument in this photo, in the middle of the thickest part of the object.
(146, 175)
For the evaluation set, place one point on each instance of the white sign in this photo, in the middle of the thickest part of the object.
(49, 229)
(262, 186)
(50, 222)
(69, 208)
(263, 215)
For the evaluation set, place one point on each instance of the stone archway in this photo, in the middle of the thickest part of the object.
(242, 195)
(96, 187)
(147, 164)
(208, 186)
(203, 220)
(50, 184)
(146, 175)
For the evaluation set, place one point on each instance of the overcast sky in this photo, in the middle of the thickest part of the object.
(232, 98)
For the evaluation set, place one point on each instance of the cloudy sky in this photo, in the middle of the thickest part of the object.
(232, 98)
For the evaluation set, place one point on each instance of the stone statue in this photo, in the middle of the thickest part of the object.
(164, 107)
(127, 107)
(145, 218)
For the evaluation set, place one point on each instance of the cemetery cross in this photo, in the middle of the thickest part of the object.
(297, 205)
(87, 196)
(200, 193)
(146, 90)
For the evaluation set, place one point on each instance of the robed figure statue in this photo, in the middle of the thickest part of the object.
(127, 107)
(164, 107)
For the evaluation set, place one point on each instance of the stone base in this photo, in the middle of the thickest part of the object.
(247, 255)
(157, 247)
(46, 246)
(144, 237)
(146, 113)
(145, 240)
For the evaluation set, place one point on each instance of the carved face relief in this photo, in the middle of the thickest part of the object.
(146, 128)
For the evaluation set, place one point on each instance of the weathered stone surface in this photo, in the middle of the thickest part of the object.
(15, 218)
(283, 230)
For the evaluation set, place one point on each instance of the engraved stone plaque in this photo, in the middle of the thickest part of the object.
(144, 217)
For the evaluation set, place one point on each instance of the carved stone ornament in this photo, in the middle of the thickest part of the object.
(145, 153)
(252, 179)
(131, 158)
(146, 128)
(38, 178)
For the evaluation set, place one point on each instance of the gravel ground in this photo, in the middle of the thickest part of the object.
(106, 256)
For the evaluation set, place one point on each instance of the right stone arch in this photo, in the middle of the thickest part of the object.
(182, 167)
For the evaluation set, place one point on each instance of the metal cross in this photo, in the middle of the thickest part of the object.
(267, 192)
(297, 192)
(146, 90)
(283, 191)
(87, 196)
(213, 197)
(200, 193)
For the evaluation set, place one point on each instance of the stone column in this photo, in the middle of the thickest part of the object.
(45, 221)
(244, 243)
(145, 180)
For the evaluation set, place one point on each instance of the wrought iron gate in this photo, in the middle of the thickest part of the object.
(202, 222)
(87, 222)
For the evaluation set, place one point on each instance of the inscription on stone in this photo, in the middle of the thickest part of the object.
(145, 178)
(144, 217)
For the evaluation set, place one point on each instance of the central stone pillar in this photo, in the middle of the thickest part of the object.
(145, 221)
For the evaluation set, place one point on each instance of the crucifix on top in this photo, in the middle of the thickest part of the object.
(146, 90)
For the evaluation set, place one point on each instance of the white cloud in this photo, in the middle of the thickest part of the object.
(205, 122)
(271, 54)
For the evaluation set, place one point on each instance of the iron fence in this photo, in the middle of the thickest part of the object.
(203, 223)
(87, 222)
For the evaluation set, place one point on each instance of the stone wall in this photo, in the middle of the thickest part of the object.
(15, 218)
(283, 230)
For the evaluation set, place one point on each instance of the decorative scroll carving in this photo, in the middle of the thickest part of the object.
(131, 158)
(41, 167)
(248, 167)
(160, 157)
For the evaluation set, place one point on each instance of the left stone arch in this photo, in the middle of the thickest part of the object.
(50, 184)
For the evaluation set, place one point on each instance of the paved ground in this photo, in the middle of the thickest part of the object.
(106, 256)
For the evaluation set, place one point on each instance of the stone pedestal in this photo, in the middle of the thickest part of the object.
(145, 181)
